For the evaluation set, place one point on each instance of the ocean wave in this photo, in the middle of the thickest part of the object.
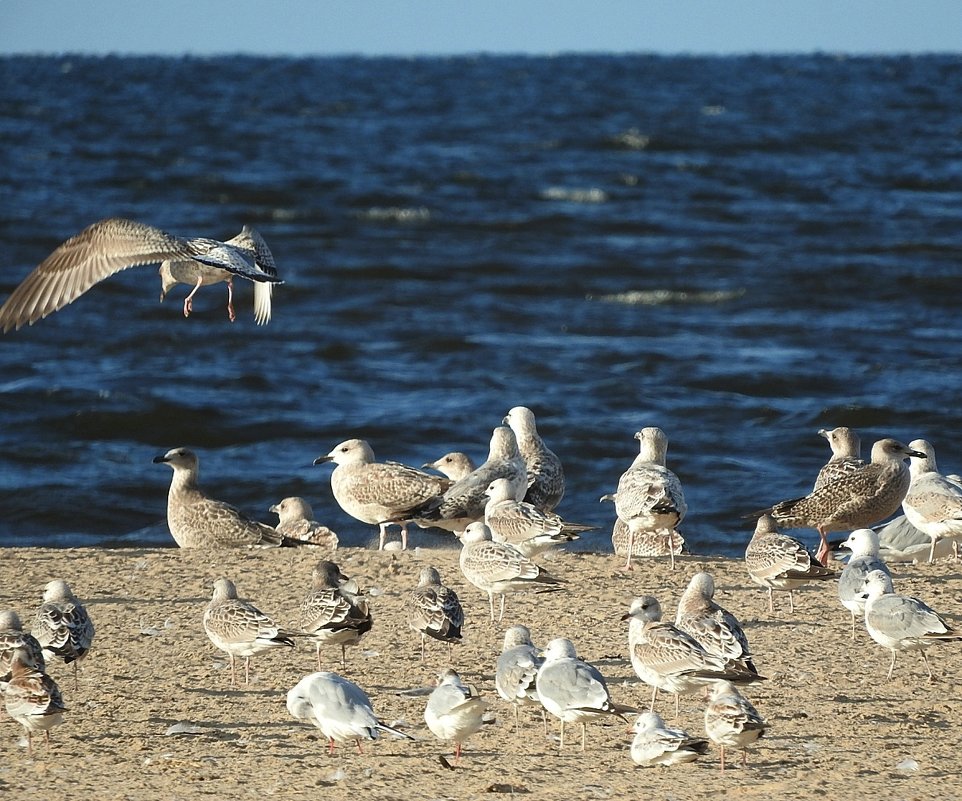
(663, 297)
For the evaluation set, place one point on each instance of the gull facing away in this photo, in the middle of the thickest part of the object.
(12, 638)
(731, 721)
(434, 610)
(463, 502)
(454, 711)
(714, 628)
(454, 465)
(240, 629)
(858, 499)
(863, 544)
(901, 623)
(334, 612)
(197, 521)
(523, 524)
(666, 658)
(380, 493)
(649, 496)
(498, 568)
(296, 521)
(779, 562)
(933, 503)
(846, 455)
(645, 543)
(32, 698)
(62, 626)
(112, 245)
(546, 477)
(516, 671)
(572, 690)
(657, 744)
(338, 707)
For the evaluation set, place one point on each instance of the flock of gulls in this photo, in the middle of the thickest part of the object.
(503, 512)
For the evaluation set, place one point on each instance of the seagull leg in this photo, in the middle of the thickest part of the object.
(671, 549)
(247, 670)
(892, 666)
(230, 299)
(343, 655)
(562, 746)
(422, 647)
(382, 534)
(457, 752)
(744, 757)
(29, 743)
(654, 695)
(544, 721)
(330, 746)
(925, 660)
(631, 547)
(232, 678)
(722, 758)
(491, 605)
(189, 300)
(517, 722)
(501, 616)
(853, 627)
(791, 601)
(357, 742)
(771, 600)
(932, 551)
(404, 536)
(822, 553)
(584, 731)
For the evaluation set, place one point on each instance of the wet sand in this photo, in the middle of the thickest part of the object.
(838, 728)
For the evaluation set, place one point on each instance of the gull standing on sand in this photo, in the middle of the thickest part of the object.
(13, 637)
(455, 711)
(110, 246)
(668, 659)
(731, 721)
(572, 690)
(522, 524)
(380, 493)
(240, 629)
(334, 612)
(863, 544)
(901, 623)
(846, 455)
(62, 626)
(933, 503)
(464, 501)
(516, 671)
(779, 562)
(338, 707)
(546, 477)
(657, 744)
(714, 628)
(296, 521)
(197, 521)
(434, 610)
(649, 496)
(858, 499)
(455, 465)
(498, 568)
(32, 698)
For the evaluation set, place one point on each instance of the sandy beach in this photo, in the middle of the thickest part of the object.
(838, 728)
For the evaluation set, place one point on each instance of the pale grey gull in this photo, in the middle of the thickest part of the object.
(296, 520)
(455, 710)
(434, 610)
(546, 478)
(933, 503)
(864, 546)
(334, 612)
(516, 670)
(657, 744)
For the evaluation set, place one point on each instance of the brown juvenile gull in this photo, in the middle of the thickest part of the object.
(649, 496)
(455, 711)
(196, 521)
(856, 500)
(62, 626)
(657, 744)
(32, 698)
(572, 690)
(334, 612)
(715, 628)
(434, 610)
(668, 659)
(454, 465)
(546, 478)
(239, 628)
(13, 637)
(864, 546)
(645, 543)
(779, 562)
(296, 520)
(463, 502)
(115, 244)
(380, 493)
(901, 623)
(846, 455)
(933, 503)
(515, 673)
(523, 524)
(497, 568)
(731, 721)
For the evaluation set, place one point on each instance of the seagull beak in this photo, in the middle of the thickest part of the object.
(606, 498)
(159, 459)
(273, 509)
(625, 616)
(322, 459)
(823, 433)
(917, 454)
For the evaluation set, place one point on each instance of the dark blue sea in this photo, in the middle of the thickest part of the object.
(738, 250)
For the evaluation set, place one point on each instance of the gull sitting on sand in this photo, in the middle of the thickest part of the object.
(296, 521)
(380, 493)
(434, 610)
(240, 629)
(338, 707)
(864, 546)
(731, 721)
(901, 623)
(455, 711)
(497, 568)
(933, 503)
(334, 612)
(546, 477)
(657, 744)
(110, 246)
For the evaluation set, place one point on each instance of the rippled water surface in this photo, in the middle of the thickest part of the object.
(739, 250)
